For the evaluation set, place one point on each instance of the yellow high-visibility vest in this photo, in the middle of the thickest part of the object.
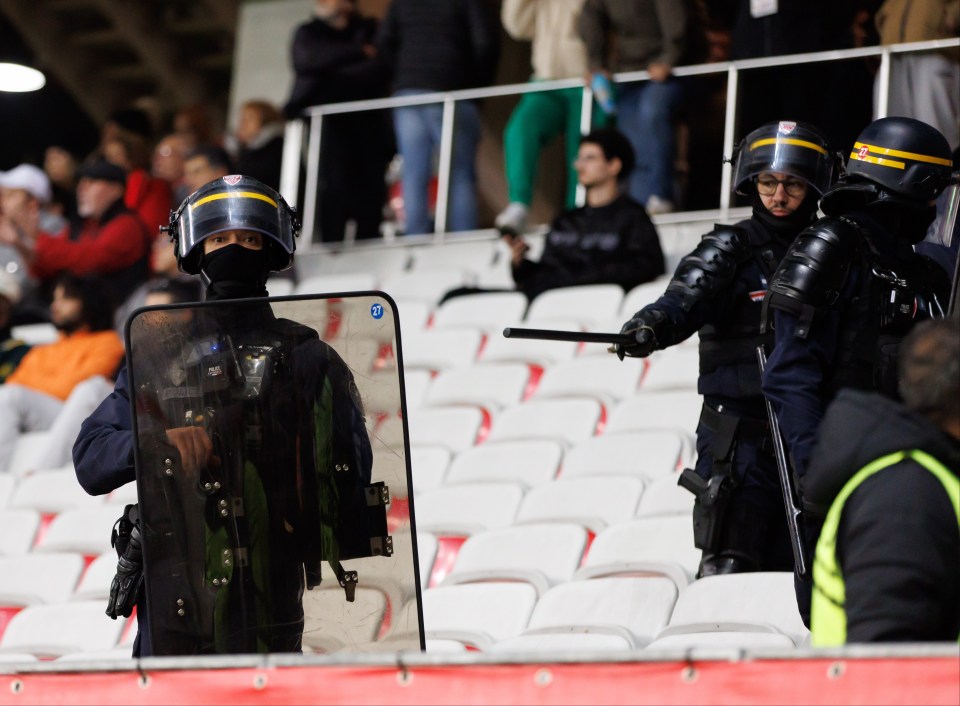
(828, 615)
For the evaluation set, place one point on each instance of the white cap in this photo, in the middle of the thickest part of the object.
(31, 179)
(9, 287)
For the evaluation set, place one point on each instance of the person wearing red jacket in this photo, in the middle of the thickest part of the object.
(110, 240)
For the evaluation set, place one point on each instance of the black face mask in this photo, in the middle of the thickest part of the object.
(236, 272)
(790, 225)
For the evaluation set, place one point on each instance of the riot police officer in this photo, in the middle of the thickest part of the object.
(851, 286)
(242, 418)
(738, 516)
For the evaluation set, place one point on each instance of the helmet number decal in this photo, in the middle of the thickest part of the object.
(233, 179)
(863, 152)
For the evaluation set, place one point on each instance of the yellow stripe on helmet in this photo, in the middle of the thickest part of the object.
(234, 195)
(896, 164)
(900, 153)
(787, 141)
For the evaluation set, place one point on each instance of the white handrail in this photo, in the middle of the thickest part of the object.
(290, 172)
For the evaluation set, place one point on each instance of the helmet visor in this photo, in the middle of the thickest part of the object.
(240, 209)
(788, 148)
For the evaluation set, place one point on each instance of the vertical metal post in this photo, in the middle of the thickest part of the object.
(443, 168)
(586, 122)
(729, 126)
(290, 165)
(883, 85)
(313, 177)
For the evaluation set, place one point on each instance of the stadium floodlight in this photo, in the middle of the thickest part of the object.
(17, 78)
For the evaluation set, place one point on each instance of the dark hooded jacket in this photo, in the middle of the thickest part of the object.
(898, 544)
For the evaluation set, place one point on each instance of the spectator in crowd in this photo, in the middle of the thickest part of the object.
(738, 515)
(24, 195)
(334, 60)
(438, 45)
(58, 384)
(148, 196)
(649, 36)
(204, 164)
(167, 164)
(609, 240)
(12, 349)
(558, 52)
(259, 136)
(195, 123)
(925, 86)
(851, 286)
(110, 241)
(885, 476)
(61, 168)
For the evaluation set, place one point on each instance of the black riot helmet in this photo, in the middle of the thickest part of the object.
(900, 160)
(234, 203)
(794, 148)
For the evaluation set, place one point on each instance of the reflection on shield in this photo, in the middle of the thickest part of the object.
(274, 517)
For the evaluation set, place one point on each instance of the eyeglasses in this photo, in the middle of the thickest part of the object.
(767, 186)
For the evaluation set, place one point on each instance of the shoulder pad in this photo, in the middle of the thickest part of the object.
(711, 265)
(815, 267)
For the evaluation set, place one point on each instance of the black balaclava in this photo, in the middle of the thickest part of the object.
(236, 272)
(786, 227)
(905, 220)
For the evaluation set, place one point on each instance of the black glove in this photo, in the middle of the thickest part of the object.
(125, 587)
(647, 328)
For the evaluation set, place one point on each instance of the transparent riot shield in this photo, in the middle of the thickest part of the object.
(273, 477)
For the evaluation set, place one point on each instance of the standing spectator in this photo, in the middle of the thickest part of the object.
(738, 518)
(851, 286)
(12, 350)
(924, 86)
(609, 240)
(649, 36)
(438, 45)
(887, 567)
(110, 241)
(334, 60)
(259, 136)
(61, 168)
(61, 383)
(204, 164)
(148, 196)
(558, 52)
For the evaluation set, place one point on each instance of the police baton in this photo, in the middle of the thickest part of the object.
(576, 336)
(790, 504)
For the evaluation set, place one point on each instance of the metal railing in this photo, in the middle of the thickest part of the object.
(297, 129)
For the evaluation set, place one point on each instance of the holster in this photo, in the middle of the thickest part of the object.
(713, 494)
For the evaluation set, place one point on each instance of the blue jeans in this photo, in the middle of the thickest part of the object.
(645, 114)
(418, 137)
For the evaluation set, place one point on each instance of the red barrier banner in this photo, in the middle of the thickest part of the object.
(921, 680)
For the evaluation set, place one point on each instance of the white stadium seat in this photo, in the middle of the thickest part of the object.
(528, 463)
(595, 502)
(83, 530)
(489, 386)
(488, 312)
(646, 455)
(606, 379)
(428, 465)
(585, 304)
(434, 350)
(468, 508)
(566, 420)
(455, 428)
(55, 630)
(641, 295)
(18, 529)
(33, 579)
(664, 496)
(477, 614)
(53, 491)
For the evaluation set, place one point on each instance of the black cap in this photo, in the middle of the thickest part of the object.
(103, 170)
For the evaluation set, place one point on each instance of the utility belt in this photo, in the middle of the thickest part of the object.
(713, 494)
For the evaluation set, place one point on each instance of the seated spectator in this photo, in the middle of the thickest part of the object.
(24, 196)
(110, 241)
(167, 164)
(148, 196)
(204, 164)
(57, 385)
(609, 240)
(259, 135)
(438, 45)
(885, 476)
(558, 52)
(12, 350)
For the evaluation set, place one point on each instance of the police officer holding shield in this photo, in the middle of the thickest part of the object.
(253, 463)
(738, 516)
